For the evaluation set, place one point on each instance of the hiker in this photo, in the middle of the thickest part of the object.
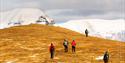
(65, 44)
(106, 57)
(86, 32)
(73, 45)
(52, 50)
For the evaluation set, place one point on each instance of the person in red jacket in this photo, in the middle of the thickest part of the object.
(52, 50)
(73, 45)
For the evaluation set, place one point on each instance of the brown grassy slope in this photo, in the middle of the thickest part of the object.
(30, 44)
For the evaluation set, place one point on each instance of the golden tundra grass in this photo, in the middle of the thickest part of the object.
(30, 44)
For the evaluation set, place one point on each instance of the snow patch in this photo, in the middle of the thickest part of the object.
(99, 58)
(10, 62)
(34, 55)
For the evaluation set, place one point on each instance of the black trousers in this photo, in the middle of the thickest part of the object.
(105, 61)
(86, 35)
(52, 54)
(73, 49)
(66, 48)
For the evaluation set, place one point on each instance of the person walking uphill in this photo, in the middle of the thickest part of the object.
(52, 50)
(73, 46)
(106, 57)
(65, 44)
(86, 32)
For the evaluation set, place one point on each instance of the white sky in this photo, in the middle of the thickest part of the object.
(64, 10)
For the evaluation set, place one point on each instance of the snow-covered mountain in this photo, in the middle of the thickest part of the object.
(20, 15)
(109, 29)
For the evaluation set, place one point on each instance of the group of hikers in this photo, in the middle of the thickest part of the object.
(73, 44)
(65, 44)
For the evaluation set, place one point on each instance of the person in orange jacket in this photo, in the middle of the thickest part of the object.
(73, 46)
(52, 50)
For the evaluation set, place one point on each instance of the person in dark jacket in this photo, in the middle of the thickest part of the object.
(73, 46)
(65, 44)
(52, 50)
(106, 57)
(86, 32)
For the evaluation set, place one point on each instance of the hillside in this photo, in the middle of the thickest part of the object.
(30, 44)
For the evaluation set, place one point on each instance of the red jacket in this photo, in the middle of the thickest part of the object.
(73, 43)
(52, 48)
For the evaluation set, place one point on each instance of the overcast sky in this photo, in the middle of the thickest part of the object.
(63, 10)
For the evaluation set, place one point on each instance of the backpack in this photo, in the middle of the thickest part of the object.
(86, 31)
(52, 48)
(106, 57)
(65, 43)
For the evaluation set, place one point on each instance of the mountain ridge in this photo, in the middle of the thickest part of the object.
(26, 16)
